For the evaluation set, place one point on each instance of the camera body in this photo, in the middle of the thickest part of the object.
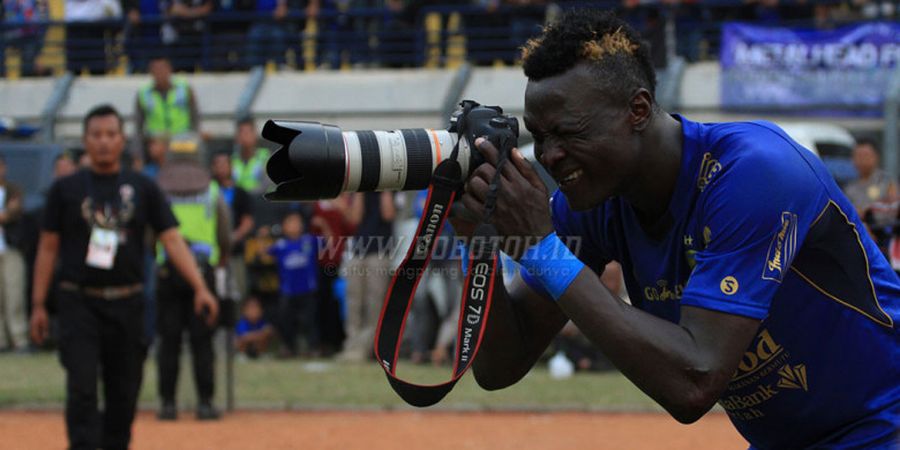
(319, 161)
(473, 120)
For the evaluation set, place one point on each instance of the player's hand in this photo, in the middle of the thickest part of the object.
(522, 208)
(40, 325)
(206, 304)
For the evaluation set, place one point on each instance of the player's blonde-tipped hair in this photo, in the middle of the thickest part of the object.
(609, 44)
(599, 37)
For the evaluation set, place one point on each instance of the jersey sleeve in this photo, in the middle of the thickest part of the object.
(754, 216)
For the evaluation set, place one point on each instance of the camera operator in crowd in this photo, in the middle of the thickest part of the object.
(95, 221)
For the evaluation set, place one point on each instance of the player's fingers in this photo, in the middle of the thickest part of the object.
(492, 156)
(478, 188)
(475, 206)
(487, 149)
(527, 170)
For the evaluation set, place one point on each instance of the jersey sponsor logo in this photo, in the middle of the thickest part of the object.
(782, 249)
(761, 394)
(709, 167)
(793, 377)
(662, 292)
(729, 285)
(763, 372)
(757, 357)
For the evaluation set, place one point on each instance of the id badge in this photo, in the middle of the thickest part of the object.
(102, 248)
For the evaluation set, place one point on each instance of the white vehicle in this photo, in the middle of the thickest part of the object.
(832, 143)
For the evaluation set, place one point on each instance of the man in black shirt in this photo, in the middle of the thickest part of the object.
(95, 221)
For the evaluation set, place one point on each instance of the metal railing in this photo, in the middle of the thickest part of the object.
(435, 36)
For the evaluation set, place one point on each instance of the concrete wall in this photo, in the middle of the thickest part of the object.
(24, 99)
(365, 99)
(357, 100)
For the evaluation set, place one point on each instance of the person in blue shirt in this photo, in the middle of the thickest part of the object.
(252, 332)
(298, 272)
(753, 283)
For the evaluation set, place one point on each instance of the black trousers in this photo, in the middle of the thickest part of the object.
(328, 313)
(175, 313)
(101, 338)
(298, 312)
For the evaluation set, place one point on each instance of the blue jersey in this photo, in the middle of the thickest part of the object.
(298, 269)
(758, 228)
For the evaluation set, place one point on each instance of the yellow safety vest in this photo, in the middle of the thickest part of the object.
(169, 116)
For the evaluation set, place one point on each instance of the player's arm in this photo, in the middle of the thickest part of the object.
(684, 367)
(521, 325)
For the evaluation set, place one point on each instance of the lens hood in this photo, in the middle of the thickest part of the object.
(309, 165)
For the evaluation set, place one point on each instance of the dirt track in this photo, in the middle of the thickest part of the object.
(400, 430)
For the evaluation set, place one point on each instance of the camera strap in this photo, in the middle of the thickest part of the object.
(482, 266)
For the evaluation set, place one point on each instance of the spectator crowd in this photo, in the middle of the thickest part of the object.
(102, 36)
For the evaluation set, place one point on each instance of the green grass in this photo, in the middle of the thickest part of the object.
(37, 381)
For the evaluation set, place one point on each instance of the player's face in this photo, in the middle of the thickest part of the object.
(583, 140)
(104, 140)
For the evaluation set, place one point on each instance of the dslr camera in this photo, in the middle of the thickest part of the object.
(319, 161)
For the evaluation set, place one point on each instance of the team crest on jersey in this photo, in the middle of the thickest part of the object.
(709, 167)
(782, 248)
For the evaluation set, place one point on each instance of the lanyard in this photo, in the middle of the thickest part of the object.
(483, 265)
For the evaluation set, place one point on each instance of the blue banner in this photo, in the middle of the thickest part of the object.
(802, 69)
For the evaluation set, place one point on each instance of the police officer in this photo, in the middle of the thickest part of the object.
(164, 106)
(206, 226)
(249, 161)
(95, 221)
